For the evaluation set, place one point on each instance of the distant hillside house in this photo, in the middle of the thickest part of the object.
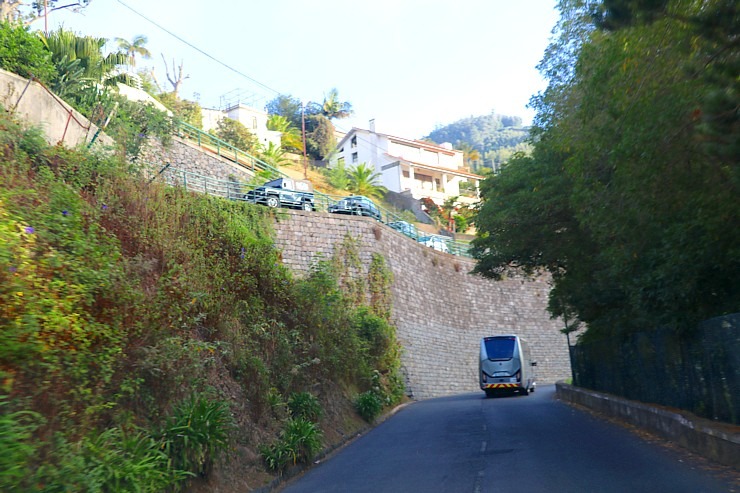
(255, 120)
(422, 168)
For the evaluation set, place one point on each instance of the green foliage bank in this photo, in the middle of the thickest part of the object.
(146, 333)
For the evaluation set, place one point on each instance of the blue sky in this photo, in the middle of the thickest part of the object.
(409, 64)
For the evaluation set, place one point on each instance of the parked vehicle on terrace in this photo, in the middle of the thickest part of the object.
(438, 242)
(284, 192)
(405, 227)
(356, 205)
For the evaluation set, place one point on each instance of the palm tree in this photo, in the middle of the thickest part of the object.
(362, 179)
(333, 108)
(274, 155)
(134, 47)
(80, 60)
(291, 136)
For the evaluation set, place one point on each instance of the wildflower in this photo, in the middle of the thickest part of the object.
(65, 212)
(242, 254)
(104, 207)
(12, 268)
(29, 230)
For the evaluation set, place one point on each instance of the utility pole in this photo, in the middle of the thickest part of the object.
(303, 126)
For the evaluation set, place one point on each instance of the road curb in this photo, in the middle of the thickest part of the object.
(719, 442)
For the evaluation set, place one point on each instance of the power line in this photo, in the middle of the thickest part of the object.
(275, 91)
(199, 50)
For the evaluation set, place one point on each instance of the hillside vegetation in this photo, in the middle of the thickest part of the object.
(495, 138)
(152, 339)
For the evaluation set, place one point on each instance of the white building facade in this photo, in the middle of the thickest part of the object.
(254, 119)
(422, 168)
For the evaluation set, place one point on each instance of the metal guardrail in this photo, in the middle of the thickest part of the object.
(225, 150)
(235, 190)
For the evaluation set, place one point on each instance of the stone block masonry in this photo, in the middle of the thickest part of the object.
(441, 311)
(187, 156)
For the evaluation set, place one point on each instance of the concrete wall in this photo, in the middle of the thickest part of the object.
(716, 441)
(31, 102)
(441, 311)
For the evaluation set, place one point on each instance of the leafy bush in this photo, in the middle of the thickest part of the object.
(16, 431)
(304, 405)
(235, 133)
(299, 441)
(187, 111)
(196, 434)
(23, 53)
(121, 461)
(369, 405)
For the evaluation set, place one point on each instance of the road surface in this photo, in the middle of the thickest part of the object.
(532, 443)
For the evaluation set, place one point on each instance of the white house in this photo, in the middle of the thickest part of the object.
(422, 168)
(255, 120)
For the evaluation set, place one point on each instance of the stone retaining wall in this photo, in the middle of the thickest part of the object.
(186, 156)
(441, 311)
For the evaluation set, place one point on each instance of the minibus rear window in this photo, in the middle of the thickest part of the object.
(499, 348)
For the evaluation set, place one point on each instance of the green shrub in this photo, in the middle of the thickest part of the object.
(119, 461)
(299, 441)
(196, 434)
(303, 438)
(368, 405)
(24, 53)
(114, 460)
(16, 431)
(304, 405)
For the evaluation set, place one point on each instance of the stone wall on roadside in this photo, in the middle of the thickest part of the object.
(187, 156)
(441, 311)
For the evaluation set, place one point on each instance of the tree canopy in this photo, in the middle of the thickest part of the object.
(630, 197)
(316, 117)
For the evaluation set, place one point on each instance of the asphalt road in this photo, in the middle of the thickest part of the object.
(508, 444)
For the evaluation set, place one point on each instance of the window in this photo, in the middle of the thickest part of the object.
(499, 348)
(354, 141)
(254, 122)
(354, 158)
